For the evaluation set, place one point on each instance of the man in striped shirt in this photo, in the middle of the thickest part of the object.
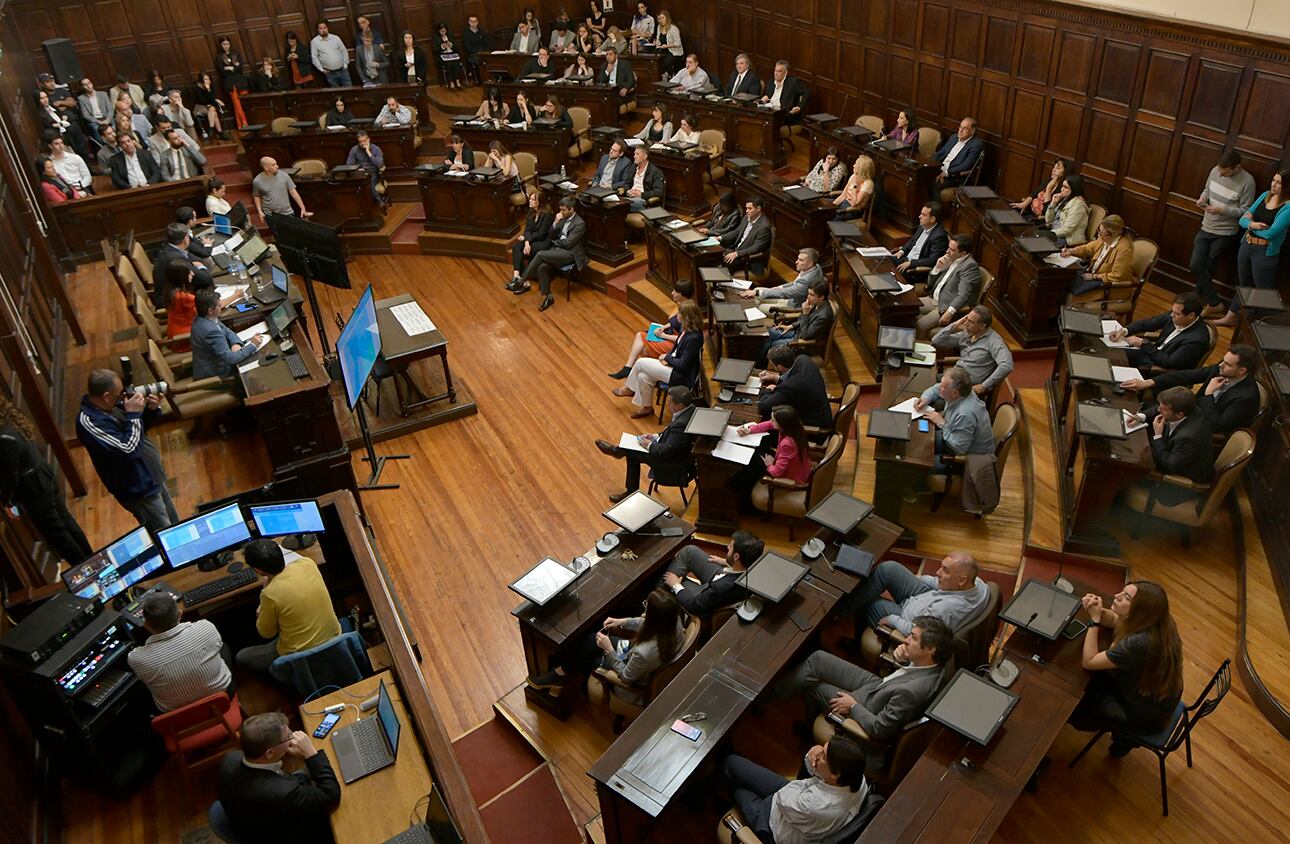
(182, 661)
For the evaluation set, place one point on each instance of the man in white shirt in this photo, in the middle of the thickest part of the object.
(785, 93)
(805, 810)
(524, 41)
(181, 662)
(928, 243)
(958, 155)
(691, 76)
(393, 114)
(330, 55)
(69, 166)
(718, 576)
(616, 73)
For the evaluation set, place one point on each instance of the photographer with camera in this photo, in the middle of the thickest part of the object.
(111, 426)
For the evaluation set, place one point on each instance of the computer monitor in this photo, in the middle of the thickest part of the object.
(287, 518)
(889, 424)
(1094, 368)
(896, 337)
(840, 512)
(708, 422)
(544, 581)
(972, 706)
(222, 223)
(280, 277)
(237, 215)
(253, 250)
(389, 720)
(280, 319)
(110, 571)
(1099, 420)
(635, 512)
(773, 576)
(358, 346)
(732, 371)
(1041, 608)
(204, 536)
(1078, 321)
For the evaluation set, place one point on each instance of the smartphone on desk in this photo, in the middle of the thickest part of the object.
(924, 425)
(689, 731)
(326, 725)
(243, 307)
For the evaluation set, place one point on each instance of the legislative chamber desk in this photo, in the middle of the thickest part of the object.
(1027, 292)
(685, 173)
(344, 202)
(718, 503)
(601, 101)
(502, 64)
(902, 465)
(866, 309)
(670, 260)
(904, 179)
(397, 143)
(798, 225)
(549, 146)
(113, 214)
(750, 130)
(1092, 470)
(643, 772)
(606, 239)
(310, 103)
(401, 349)
(612, 585)
(468, 205)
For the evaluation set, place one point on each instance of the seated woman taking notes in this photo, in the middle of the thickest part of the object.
(678, 368)
(791, 459)
(494, 107)
(642, 346)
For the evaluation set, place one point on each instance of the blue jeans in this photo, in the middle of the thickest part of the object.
(888, 576)
(156, 512)
(337, 78)
(753, 788)
(1255, 268)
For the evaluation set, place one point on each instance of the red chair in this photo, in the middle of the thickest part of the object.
(200, 732)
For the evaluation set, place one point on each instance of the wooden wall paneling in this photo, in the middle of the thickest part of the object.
(1075, 55)
(1163, 87)
(966, 36)
(1117, 71)
(1000, 44)
(934, 36)
(826, 13)
(1265, 117)
(904, 23)
(1036, 54)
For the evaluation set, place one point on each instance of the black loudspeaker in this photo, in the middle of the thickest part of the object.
(62, 58)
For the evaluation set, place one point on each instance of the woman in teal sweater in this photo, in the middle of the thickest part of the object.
(1265, 223)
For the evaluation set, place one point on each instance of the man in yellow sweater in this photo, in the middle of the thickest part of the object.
(295, 608)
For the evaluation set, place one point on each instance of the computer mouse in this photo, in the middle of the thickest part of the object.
(269, 357)
(235, 567)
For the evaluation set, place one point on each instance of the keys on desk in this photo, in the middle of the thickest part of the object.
(296, 366)
(215, 588)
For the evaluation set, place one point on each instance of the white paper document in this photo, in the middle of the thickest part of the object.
(636, 142)
(753, 314)
(413, 320)
(873, 251)
(1132, 422)
(907, 406)
(247, 333)
(613, 197)
(457, 173)
(731, 435)
(751, 387)
(738, 284)
(1057, 259)
(1125, 373)
(676, 224)
(904, 288)
(247, 367)
(727, 450)
(631, 443)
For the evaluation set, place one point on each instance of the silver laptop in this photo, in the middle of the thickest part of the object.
(369, 745)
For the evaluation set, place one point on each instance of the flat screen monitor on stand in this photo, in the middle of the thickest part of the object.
(357, 348)
(205, 539)
(110, 571)
(315, 253)
(297, 521)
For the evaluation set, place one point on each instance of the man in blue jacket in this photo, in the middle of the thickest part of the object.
(217, 351)
(615, 168)
(957, 156)
(111, 426)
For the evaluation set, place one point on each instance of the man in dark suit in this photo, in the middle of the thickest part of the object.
(958, 155)
(617, 73)
(813, 324)
(795, 380)
(667, 454)
(952, 287)
(267, 805)
(541, 63)
(217, 351)
(718, 576)
(1183, 341)
(744, 80)
(646, 181)
(133, 168)
(928, 244)
(882, 707)
(786, 93)
(1181, 443)
(568, 234)
(177, 248)
(475, 41)
(1230, 397)
(750, 243)
(615, 169)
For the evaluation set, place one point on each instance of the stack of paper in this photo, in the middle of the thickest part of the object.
(1132, 422)
(753, 314)
(1125, 373)
(737, 284)
(905, 288)
(247, 333)
(907, 406)
(613, 197)
(751, 387)
(676, 224)
(1059, 260)
(631, 442)
(731, 435)
(727, 450)
(924, 354)
(873, 251)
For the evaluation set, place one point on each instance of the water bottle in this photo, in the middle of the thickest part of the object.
(563, 175)
(239, 269)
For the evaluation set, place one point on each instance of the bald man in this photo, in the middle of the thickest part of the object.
(952, 595)
(273, 191)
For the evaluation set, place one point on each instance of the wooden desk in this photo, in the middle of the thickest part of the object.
(310, 103)
(601, 101)
(1027, 291)
(398, 144)
(718, 503)
(301, 433)
(376, 807)
(901, 465)
(750, 130)
(798, 225)
(685, 172)
(401, 350)
(346, 203)
(466, 205)
(113, 214)
(867, 309)
(549, 146)
(671, 260)
(904, 178)
(642, 773)
(578, 611)
(501, 64)
(606, 229)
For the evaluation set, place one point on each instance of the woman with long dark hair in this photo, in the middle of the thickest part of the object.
(791, 459)
(1138, 680)
(228, 63)
(1067, 214)
(494, 107)
(667, 334)
(415, 67)
(537, 236)
(265, 80)
(339, 113)
(296, 60)
(208, 103)
(448, 57)
(1265, 223)
(906, 129)
(52, 185)
(1037, 203)
(678, 368)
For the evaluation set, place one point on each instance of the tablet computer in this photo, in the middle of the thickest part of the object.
(1078, 321)
(1091, 368)
(840, 512)
(635, 511)
(896, 337)
(1100, 420)
(889, 424)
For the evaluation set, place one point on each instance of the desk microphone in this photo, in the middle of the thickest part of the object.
(1061, 582)
(1004, 673)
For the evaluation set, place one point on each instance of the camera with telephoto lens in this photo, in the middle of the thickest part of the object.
(160, 388)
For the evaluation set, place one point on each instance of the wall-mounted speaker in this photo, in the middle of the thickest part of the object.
(62, 58)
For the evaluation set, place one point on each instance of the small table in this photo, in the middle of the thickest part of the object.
(401, 350)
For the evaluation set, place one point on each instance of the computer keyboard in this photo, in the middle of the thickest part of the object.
(371, 741)
(215, 588)
(418, 834)
(296, 366)
(107, 683)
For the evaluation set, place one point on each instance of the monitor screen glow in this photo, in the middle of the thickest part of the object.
(358, 346)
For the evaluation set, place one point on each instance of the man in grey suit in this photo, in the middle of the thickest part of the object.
(217, 351)
(615, 169)
(568, 233)
(95, 107)
(880, 706)
(792, 295)
(178, 160)
(813, 324)
(953, 286)
(525, 41)
(750, 243)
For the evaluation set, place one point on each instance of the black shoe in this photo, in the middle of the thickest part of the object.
(615, 497)
(524, 287)
(513, 284)
(546, 303)
(621, 374)
(1119, 748)
(609, 448)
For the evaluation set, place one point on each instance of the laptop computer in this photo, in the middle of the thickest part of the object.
(972, 706)
(1041, 608)
(891, 145)
(843, 229)
(1100, 420)
(1078, 321)
(978, 192)
(274, 292)
(1272, 337)
(1007, 217)
(857, 132)
(1038, 245)
(708, 422)
(1260, 298)
(635, 511)
(688, 236)
(438, 827)
(597, 192)
(889, 424)
(369, 745)
(881, 283)
(1281, 374)
(729, 312)
(802, 193)
(223, 225)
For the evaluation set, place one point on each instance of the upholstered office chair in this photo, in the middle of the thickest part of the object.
(581, 118)
(1208, 498)
(526, 163)
(820, 351)
(200, 733)
(929, 140)
(180, 361)
(872, 803)
(310, 168)
(900, 756)
(844, 416)
(1006, 422)
(759, 277)
(973, 177)
(1121, 298)
(282, 126)
(1178, 733)
(634, 219)
(784, 497)
(602, 683)
(188, 398)
(221, 825)
(872, 122)
(480, 158)
(1096, 213)
(340, 661)
(987, 281)
(714, 141)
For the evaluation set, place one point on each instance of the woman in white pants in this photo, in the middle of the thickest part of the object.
(678, 368)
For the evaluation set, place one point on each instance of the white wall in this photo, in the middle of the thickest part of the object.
(1263, 17)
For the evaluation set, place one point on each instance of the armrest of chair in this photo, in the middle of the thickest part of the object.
(852, 728)
(1179, 481)
(782, 483)
(890, 633)
(610, 677)
(743, 834)
(214, 382)
(813, 431)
